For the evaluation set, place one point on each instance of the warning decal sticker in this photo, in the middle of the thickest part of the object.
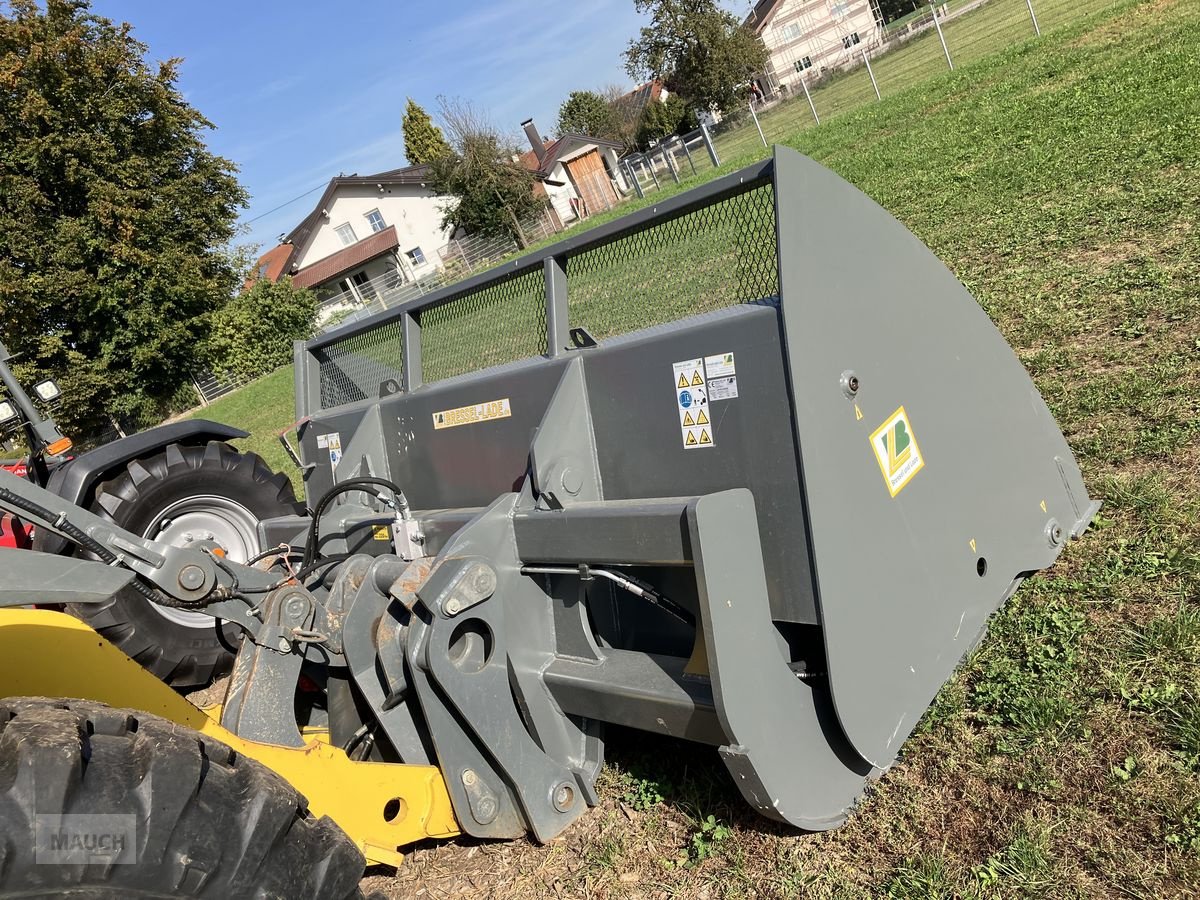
(896, 451)
(469, 415)
(691, 398)
(332, 443)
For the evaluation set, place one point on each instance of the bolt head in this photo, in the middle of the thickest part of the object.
(453, 606)
(487, 810)
(469, 777)
(564, 797)
(191, 578)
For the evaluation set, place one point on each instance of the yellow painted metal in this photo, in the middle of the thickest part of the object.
(51, 654)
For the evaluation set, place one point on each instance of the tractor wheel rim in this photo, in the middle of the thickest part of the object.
(207, 517)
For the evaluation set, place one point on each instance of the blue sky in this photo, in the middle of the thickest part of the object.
(301, 91)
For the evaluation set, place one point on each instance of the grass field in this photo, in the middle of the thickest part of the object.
(1060, 179)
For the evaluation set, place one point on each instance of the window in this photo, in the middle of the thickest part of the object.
(839, 8)
(376, 220)
(850, 40)
(789, 32)
(262, 270)
(416, 257)
(802, 64)
(346, 233)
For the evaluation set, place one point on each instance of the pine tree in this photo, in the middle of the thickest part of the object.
(423, 141)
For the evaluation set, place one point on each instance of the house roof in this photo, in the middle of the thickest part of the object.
(553, 151)
(272, 265)
(632, 104)
(347, 258)
(410, 175)
(762, 13)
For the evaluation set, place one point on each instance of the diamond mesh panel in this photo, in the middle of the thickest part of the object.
(716, 256)
(354, 367)
(502, 322)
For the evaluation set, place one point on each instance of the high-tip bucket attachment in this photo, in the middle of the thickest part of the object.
(749, 467)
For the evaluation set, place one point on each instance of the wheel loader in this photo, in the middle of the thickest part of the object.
(176, 483)
(748, 468)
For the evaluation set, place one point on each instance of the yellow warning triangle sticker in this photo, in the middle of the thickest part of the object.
(857, 413)
(704, 438)
(696, 379)
(688, 420)
(683, 382)
(690, 440)
(702, 419)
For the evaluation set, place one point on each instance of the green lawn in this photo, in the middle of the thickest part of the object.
(1060, 179)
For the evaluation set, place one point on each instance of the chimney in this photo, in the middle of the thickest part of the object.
(535, 139)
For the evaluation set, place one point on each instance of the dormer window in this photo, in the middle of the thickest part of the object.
(346, 233)
(375, 218)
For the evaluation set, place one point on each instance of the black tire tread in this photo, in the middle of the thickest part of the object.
(212, 823)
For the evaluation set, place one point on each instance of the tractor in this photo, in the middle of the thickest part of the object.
(710, 471)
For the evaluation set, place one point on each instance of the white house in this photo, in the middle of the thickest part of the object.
(364, 228)
(806, 38)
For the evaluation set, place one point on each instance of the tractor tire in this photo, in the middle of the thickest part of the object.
(206, 821)
(183, 495)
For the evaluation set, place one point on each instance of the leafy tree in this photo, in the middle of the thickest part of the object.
(252, 334)
(488, 192)
(661, 119)
(113, 214)
(586, 112)
(891, 10)
(423, 141)
(625, 115)
(697, 49)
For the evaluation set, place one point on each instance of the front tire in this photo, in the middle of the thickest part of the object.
(182, 496)
(207, 821)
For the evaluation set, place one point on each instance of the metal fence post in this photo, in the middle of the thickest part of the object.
(754, 116)
(669, 159)
(708, 143)
(557, 330)
(874, 83)
(1037, 29)
(649, 164)
(637, 183)
(811, 105)
(688, 154)
(941, 37)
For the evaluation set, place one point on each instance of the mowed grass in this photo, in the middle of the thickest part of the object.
(1060, 179)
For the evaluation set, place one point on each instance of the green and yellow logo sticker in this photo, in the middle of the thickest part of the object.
(896, 451)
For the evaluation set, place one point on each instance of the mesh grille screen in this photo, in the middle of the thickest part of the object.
(354, 367)
(500, 323)
(716, 256)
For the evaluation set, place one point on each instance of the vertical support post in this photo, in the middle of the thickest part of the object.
(669, 159)
(410, 337)
(635, 180)
(754, 116)
(710, 146)
(557, 315)
(1037, 29)
(653, 174)
(307, 380)
(811, 105)
(688, 154)
(941, 37)
(871, 72)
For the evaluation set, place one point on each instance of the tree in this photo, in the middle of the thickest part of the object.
(698, 50)
(252, 334)
(113, 215)
(625, 114)
(423, 141)
(488, 192)
(661, 119)
(586, 112)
